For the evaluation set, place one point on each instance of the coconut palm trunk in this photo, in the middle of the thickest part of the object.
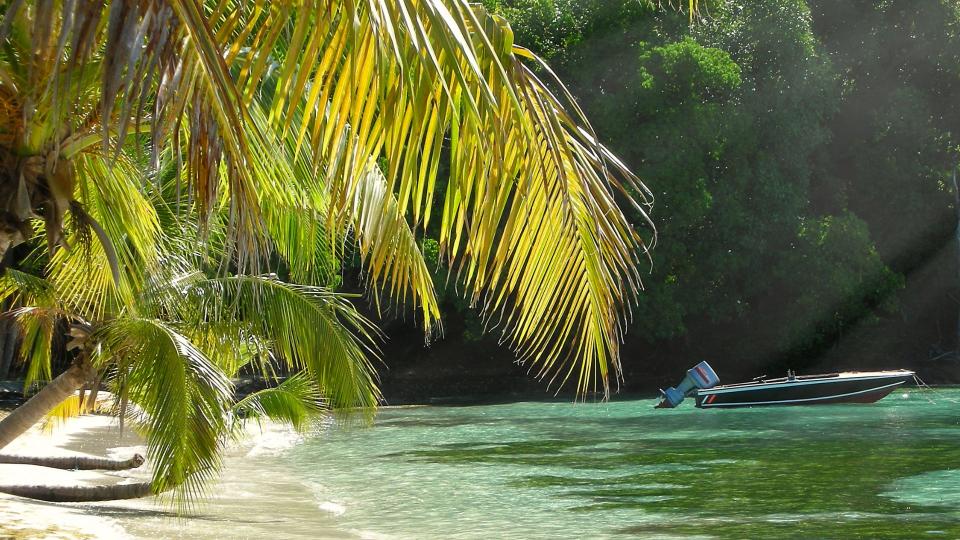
(28, 414)
(81, 493)
(75, 463)
(31, 412)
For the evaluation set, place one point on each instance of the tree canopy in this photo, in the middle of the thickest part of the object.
(800, 155)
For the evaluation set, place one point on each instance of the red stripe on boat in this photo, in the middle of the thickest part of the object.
(700, 372)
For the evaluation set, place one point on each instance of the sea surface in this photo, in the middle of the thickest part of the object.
(614, 470)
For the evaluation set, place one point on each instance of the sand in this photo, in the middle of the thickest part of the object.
(87, 435)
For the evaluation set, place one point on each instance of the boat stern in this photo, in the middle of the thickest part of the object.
(699, 377)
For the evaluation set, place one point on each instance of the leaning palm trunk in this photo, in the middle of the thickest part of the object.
(75, 463)
(53, 394)
(81, 493)
(28, 414)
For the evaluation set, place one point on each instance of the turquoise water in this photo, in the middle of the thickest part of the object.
(617, 470)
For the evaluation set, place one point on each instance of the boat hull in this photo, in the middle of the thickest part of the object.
(810, 390)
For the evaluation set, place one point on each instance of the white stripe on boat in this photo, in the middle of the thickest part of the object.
(822, 398)
(787, 384)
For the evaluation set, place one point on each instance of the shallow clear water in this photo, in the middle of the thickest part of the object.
(617, 470)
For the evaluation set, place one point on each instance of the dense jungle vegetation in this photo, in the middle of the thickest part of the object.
(801, 153)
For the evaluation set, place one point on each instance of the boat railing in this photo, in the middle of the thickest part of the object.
(779, 380)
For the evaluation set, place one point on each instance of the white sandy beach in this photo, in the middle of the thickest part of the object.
(84, 436)
(100, 436)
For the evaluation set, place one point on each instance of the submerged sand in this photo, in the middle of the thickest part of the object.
(84, 436)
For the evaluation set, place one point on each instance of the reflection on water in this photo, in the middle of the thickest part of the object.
(938, 488)
(619, 470)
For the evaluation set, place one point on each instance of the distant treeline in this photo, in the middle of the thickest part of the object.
(801, 153)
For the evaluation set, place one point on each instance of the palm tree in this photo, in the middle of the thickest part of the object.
(284, 108)
(169, 347)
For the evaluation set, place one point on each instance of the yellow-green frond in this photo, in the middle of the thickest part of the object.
(388, 247)
(532, 209)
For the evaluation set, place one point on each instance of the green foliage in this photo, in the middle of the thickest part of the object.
(308, 328)
(556, 28)
(296, 401)
(684, 95)
(431, 252)
(173, 330)
(900, 66)
(682, 72)
(798, 151)
(834, 275)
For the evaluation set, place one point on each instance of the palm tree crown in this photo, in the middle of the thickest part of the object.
(279, 112)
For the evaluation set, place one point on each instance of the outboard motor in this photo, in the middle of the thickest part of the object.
(700, 376)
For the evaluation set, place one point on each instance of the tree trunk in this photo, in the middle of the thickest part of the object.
(91, 404)
(4, 366)
(75, 463)
(28, 414)
(83, 395)
(9, 348)
(81, 493)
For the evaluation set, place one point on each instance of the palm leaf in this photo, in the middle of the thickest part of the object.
(531, 209)
(36, 331)
(37, 311)
(309, 328)
(388, 246)
(182, 395)
(296, 401)
(23, 289)
(58, 416)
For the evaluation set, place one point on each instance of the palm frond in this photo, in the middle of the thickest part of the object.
(94, 278)
(67, 409)
(232, 346)
(37, 310)
(37, 326)
(114, 194)
(182, 395)
(296, 401)
(531, 208)
(388, 247)
(23, 289)
(84, 281)
(309, 328)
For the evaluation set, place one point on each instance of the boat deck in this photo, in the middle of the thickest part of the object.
(808, 378)
(845, 387)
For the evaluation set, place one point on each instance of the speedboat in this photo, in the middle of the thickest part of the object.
(844, 387)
